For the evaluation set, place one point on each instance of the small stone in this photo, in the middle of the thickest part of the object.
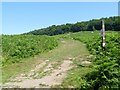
(70, 58)
(85, 63)
(22, 74)
(47, 60)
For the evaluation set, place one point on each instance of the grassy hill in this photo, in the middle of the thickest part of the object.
(102, 74)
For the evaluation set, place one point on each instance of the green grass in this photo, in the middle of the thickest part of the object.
(105, 73)
(71, 45)
(66, 49)
(17, 47)
(17, 68)
(19, 53)
(75, 77)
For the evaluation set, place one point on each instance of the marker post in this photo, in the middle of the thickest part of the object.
(103, 34)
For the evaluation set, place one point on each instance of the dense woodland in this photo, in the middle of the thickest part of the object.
(111, 23)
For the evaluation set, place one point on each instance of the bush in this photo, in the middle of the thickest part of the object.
(17, 47)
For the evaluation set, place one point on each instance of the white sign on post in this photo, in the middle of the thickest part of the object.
(103, 33)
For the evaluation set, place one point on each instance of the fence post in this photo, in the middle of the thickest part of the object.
(103, 34)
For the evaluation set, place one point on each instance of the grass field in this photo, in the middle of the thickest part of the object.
(74, 47)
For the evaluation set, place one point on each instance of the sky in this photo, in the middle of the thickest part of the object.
(22, 17)
(59, 0)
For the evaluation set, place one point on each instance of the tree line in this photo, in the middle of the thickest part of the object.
(111, 23)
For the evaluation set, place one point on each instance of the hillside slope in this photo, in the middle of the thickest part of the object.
(111, 23)
(72, 63)
(51, 67)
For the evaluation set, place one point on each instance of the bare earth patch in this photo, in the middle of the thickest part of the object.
(55, 78)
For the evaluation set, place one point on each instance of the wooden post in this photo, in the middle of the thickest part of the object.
(103, 34)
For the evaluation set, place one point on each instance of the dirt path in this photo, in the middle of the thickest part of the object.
(51, 71)
(55, 78)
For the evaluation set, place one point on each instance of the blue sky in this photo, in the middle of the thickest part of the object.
(21, 17)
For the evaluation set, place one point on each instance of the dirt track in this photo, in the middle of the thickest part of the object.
(53, 70)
